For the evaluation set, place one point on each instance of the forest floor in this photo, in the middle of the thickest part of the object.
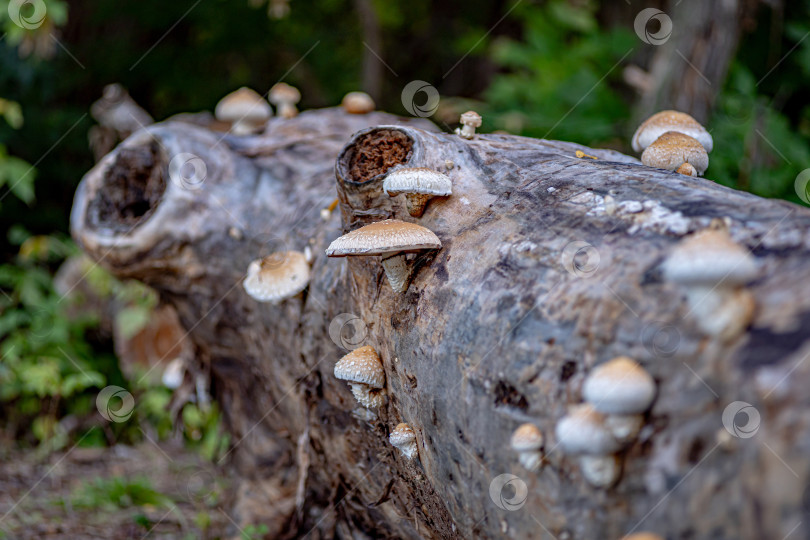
(148, 491)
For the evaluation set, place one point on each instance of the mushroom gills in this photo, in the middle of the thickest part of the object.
(366, 396)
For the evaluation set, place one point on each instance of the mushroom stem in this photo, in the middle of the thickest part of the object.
(723, 312)
(366, 396)
(242, 127)
(600, 471)
(398, 271)
(624, 427)
(287, 110)
(416, 202)
(467, 131)
(530, 460)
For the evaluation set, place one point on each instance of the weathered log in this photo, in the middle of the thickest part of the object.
(499, 327)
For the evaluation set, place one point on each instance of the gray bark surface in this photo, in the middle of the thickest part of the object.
(492, 332)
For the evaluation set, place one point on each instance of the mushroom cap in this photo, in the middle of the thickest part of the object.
(664, 121)
(362, 365)
(527, 437)
(471, 118)
(283, 93)
(358, 103)
(643, 536)
(620, 386)
(418, 180)
(672, 149)
(388, 236)
(583, 431)
(243, 104)
(402, 435)
(710, 257)
(278, 276)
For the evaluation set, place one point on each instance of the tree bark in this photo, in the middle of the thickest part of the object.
(493, 331)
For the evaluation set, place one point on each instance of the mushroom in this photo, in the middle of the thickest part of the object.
(527, 440)
(404, 439)
(363, 370)
(714, 269)
(470, 120)
(658, 124)
(673, 151)
(245, 110)
(686, 169)
(357, 103)
(277, 277)
(584, 432)
(284, 97)
(642, 536)
(173, 374)
(622, 390)
(419, 185)
(392, 239)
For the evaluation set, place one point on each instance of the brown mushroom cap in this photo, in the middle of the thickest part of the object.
(278, 276)
(362, 365)
(417, 180)
(283, 93)
(664, 121)
(388, 236)
(710, 257)
(673, 149)
(243, 105)
(527, 437)
(402, 435)
(358, 103)
(471, 118)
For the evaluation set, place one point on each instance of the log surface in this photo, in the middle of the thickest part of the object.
(493, 331)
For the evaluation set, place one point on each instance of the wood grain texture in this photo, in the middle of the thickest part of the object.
(492, 332)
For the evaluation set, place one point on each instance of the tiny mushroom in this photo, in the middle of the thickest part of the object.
(469, 120)
(687, 170)
(391, 238)
(363, 370)
(714, 269)
(659, 123)
(419, 185)
(245, 110)
(358, 103)
(673, 151)
(527, 440)
(404, 439)
(173, 374)
(277, 277)
(584, 432)
(284, 97)
(622, 390)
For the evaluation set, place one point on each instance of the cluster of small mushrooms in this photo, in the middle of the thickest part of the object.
(711, 267)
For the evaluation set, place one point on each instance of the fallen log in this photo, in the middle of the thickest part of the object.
(499, 327)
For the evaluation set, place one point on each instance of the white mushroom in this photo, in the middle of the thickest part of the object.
(245, 110)
(623, 390)
(284, 97)
(392, 239)
(358, 103)
(600, 471)
(658, 124)
(277, 277)
(583, 432)
(363, 370)
(173, 374)
(469, 120)
(714, 269)
(404, 439)
(419, 185)
(527, 440)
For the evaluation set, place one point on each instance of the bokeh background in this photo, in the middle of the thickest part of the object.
(576, 70)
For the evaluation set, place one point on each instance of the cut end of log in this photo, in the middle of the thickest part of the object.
(374, 153)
